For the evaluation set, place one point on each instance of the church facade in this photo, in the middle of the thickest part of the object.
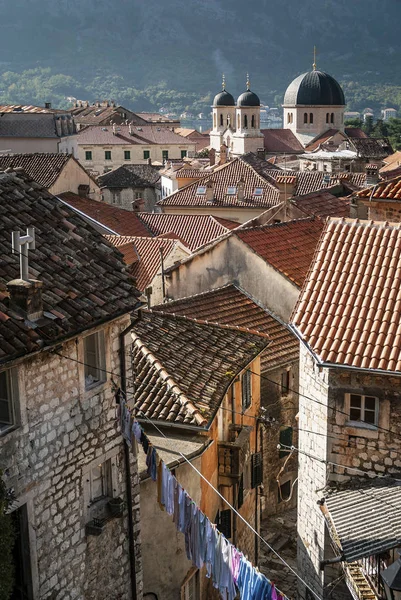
(313, 103)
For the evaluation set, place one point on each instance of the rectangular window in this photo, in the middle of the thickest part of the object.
(146, 154)
(183, 153)
(246, 389)
(285, 440)
(364, 409)
(165, 154)
(127, 154)
(231, 190)
(100, 481)
(258, 191)
(8, 398)
(285, 382)
(256, 470)
(107, 155)
(201, 190)
(190, 589)
(94, 359)
(223, 522)
(88, 154)
(284, 491)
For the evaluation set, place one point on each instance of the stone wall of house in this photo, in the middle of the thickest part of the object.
(281, 406)
(383, 211)
(313, 383)
(65, 430)
(123, 198)
(372, 449)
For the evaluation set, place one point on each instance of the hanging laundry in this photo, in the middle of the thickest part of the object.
(151, 459)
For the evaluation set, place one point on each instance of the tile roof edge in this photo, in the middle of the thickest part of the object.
(83, 214)
(258, 174)
(258, 303)
(170, 382)
(200, 250)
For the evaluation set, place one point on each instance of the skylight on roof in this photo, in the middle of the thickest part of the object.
(201, 190)
(258, 191)
(231, 190)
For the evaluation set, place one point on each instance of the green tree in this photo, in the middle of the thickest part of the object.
(368, 125)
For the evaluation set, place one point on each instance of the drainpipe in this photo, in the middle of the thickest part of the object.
(131, 538)
(256, 498)
(162, 273)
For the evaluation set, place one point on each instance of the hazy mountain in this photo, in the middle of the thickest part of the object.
(188, 43)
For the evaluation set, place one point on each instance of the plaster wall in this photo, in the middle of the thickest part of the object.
(71, 177)
(232, 213)
(29, 145)
(177, 254)
(232, 261)
(123, 198)
(100, 165)
(62, 429)
(319, 125)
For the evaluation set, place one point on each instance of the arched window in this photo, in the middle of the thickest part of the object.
(238, 122)
(288, 117)
(245, 121)
(342, 118)
(253, 122)
(332, 118)
(327, 117)
(214, 120)
(310, 117)
(305, 117)
(221, 120)
(228, 120)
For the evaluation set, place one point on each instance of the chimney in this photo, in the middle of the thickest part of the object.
(48, 104)
(25, 294)
(372, 174)
(260, 153)
(138, 205)
(240, 190)
(209, 191)
(223, 154)
(114, 129)
(212, 157)
(149, 161)
(130, 130)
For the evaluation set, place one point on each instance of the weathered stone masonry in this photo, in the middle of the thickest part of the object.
(63, 429)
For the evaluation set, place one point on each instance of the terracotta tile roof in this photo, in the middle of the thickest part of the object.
(156, 117)
(349, 311)
(193, 230)
(314, 181)
(392, 162)
(231, 306)
(228, 175)
(84, 278)
(143, 255)
(99, 115)
(389, 189)
(355, 132)
(43, 167)
(183, 375)
(144, 135)
(139, 176)
(262, 166)
(289, 246)
(120, 221)
(322, 138)
(372, 147)
(36, 125)
(323, 204)
(29, 108)
(281, 141)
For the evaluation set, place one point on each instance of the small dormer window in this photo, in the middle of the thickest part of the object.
(258, 191)
(201, 190)
(231, 190)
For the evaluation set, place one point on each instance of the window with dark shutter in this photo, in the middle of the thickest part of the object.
(246, 389)
(257, 471)
(240, 501)
(285, 440)
(224, 522)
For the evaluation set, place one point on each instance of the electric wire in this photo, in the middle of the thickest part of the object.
(237, 513)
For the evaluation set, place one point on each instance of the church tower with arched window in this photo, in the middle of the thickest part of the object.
(247, 136)
(313, 103)
(223, 110)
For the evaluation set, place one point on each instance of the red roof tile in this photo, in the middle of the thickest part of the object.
(144, 134)
(281, 141)
(143, 255)
(289, 247)
(389, 189)
(43, 167)
(323, 204)
(349, 309)
(322, 138)
(193, 230)
(224, 177)
(122, 222)
(231, 306)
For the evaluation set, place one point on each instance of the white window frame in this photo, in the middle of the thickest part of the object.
(192, 579)
(99, 360)
(246, 403)
(106, 481)
(12, 399)
(361, 422)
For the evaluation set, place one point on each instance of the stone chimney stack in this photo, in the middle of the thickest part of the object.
(209, 191)
(138, 205)
(372, 174)
(212, 157)
(25, 294)
(223, 154)
(241, 190)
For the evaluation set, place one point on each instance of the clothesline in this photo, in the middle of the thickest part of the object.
(205, 545)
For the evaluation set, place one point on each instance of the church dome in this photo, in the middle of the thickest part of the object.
(314, 88)
(248, 98)
(224, 98)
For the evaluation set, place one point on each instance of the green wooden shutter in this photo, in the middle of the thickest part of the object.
(256, 469)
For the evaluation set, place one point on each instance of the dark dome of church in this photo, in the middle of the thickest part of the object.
(314, 88)
(248, 98)
(224, 98)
